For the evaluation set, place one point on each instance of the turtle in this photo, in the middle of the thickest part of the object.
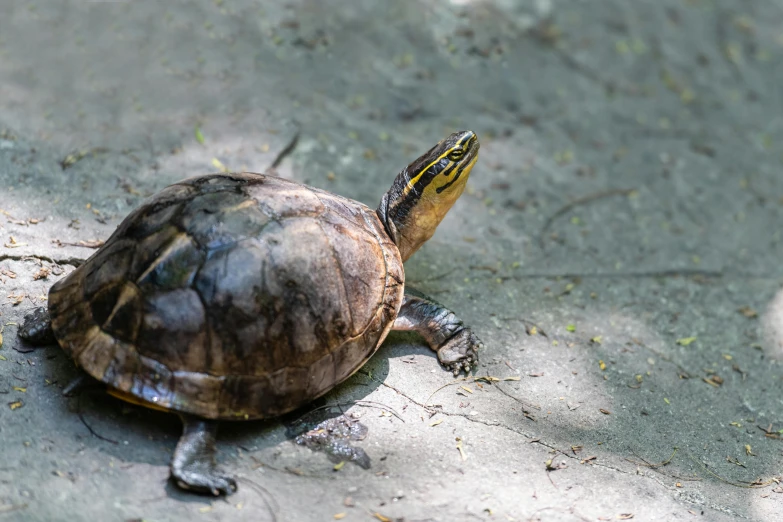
(239, 296)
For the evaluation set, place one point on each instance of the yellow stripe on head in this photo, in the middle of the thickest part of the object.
(442, 166)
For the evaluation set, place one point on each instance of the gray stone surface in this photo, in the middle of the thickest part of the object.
(629, 186)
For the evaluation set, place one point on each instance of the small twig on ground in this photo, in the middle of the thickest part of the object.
(264, 493)
(652, 466)
(288, 149)
(366, 404)
(577, 202)
(752, 485)
(81, 418)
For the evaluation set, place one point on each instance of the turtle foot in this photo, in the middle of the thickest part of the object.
(37, 328)
(193, 465)
(203, 479)
(460, 352)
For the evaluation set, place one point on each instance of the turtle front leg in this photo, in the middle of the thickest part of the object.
(193, 464)
(37, 328)
(456, 346)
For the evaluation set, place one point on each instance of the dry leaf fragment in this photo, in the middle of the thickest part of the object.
(713, 380)
(588, 460)
(539, 374)
(466, 389)
(219, 165)
(605, 412)
(13, 243)
(436, 423)
(461, 450)
(735, 461)
(8, 273)
(16, 299)
(43, 273)
(551, 466)
(91, 243)
(487, 378)
(511, 378)
(625, 516)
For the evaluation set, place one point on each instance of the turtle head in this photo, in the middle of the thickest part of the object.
(426, 189)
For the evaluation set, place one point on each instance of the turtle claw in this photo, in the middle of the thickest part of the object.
(201, 482)
(460, 352)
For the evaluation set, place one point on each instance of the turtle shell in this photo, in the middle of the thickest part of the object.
(232, 296)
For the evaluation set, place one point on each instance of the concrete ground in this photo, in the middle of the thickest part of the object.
(618, 249)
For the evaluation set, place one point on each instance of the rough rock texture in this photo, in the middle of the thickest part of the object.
(618, 249)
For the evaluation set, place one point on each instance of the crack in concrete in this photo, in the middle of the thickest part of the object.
(72, 261)
(488, 423)
(677, 494)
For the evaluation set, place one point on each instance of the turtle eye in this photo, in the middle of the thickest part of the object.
(456, 155)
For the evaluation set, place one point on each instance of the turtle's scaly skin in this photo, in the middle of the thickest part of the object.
(232, 297)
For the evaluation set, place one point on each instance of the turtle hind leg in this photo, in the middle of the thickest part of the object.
(193, 464)
(37, 328)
